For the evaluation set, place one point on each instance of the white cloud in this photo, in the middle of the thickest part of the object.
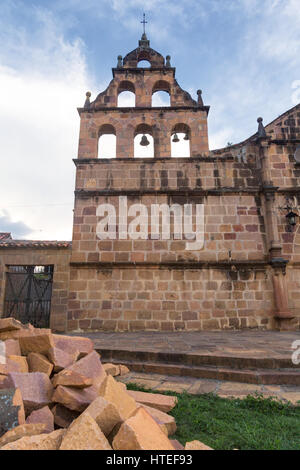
(39, 127)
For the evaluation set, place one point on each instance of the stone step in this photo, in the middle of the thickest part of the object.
(200, 359)
(258, 376)
(253, 370)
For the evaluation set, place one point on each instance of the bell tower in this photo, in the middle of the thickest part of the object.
(112, 284)
(184, 114)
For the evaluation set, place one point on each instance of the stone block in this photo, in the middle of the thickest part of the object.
(69, 378)
(141, 432)
(114, 393)
(71, 344)
(162, 418)
(61, 359)
(39, 363)
(84, 434)
(21, 431)
(63, 417)
(73, 398)
(196, 445)
(163, 403)
(36, 389)
(105, 414)
(90, 366)
(39, 341)
(43, 416)
(41, 442)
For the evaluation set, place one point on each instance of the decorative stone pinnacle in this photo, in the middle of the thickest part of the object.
(261, 130)
(200, 100)
(87, 101)
(168, 61)
(120, 62)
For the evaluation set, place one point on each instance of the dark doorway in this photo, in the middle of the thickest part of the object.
(28, 294)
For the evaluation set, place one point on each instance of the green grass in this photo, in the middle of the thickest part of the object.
(252, 423)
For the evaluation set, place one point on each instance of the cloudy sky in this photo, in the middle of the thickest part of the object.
(243, 54)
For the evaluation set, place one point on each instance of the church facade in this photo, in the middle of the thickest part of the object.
(245, 274)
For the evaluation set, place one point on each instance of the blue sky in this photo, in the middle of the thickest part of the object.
(243, 54)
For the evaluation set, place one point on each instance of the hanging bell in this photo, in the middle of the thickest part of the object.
(144, 142)
(186, 137)
(175, 138)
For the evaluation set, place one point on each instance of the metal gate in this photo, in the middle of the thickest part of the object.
(28, 294)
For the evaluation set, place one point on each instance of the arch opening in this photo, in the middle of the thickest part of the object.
(145, 132)
(161, 98)
(181, 141)
(144, 64)
(107, 142)
(126, 95)
(161, 94)
(126, 99)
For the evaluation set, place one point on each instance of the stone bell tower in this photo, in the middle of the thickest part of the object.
(105, 275)
(103, 115)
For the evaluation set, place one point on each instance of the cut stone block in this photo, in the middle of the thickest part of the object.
(74, 398)
(36, 389)
(111, 369)
(42, 442)
(141, 432)
(43, 416)
(161, 417)
(21, 362)
(84, 434)
(176, 444)
(63, 417)
(105, 414)
(90, 366)
(39, 341)
(196, 445)
(124, 370)
(114, 393)
(11, 410)
(71, 344)
(163, 403)
(61, 359)
(12, 347)
(39, 363)
(11, 366)
(21, 431)
(9, 324)
(69, 378)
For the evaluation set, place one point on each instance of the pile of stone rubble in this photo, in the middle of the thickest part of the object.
(55, 394)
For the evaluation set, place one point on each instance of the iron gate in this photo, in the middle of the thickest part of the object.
(28, 294)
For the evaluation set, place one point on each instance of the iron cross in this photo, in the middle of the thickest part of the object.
(144, 22)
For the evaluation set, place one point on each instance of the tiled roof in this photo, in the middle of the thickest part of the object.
(5, 236)
(34, 244)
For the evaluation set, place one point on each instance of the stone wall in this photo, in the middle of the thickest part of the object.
(59, 258)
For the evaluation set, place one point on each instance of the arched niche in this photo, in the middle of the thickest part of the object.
(140, 151)
(126, 95)
(107, 141)
(182, 148)
(144, 64)
(161, 94)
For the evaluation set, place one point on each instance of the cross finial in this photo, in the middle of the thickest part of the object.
(144, 22)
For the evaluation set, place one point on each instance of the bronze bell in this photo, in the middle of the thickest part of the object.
(144, 142)
(175, 138)
(186, 137)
